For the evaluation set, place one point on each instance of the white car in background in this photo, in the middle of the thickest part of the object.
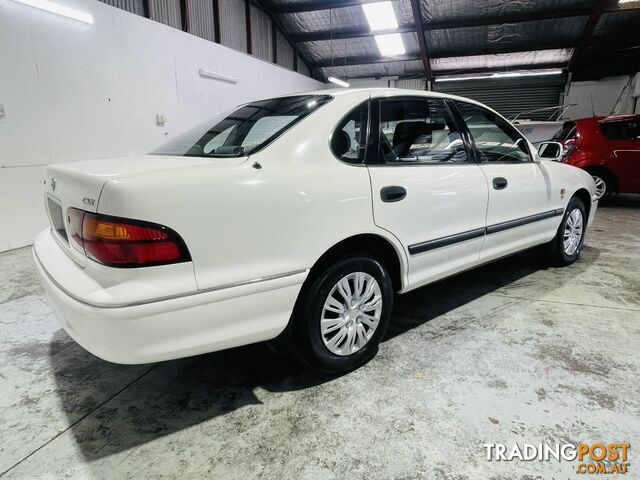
(297, 219)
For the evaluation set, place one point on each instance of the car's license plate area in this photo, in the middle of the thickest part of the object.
(57, 219)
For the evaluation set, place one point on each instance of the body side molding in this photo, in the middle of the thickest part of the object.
(479, 232)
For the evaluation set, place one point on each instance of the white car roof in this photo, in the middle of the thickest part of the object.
(385, 92)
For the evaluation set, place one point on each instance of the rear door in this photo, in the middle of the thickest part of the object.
(625, 139)
(521, 211)
(426, 188)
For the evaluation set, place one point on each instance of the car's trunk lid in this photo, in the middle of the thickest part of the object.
(79, 185)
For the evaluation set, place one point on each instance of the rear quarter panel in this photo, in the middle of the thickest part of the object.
(243, 223)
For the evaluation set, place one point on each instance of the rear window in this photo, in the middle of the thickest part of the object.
(244, 130)
(568, 131)
(623, 130)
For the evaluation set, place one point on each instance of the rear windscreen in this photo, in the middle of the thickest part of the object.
(244, 130)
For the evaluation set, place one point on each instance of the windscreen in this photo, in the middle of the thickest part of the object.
(245, 129)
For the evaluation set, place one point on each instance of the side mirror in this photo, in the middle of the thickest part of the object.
(550, 151)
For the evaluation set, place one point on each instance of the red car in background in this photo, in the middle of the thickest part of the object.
(606, 147)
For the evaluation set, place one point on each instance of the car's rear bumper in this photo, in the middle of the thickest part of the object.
(191, 324)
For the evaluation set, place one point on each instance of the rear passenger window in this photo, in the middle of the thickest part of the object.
(349, 140)
(418, 130)
(626, 130)
(496, 139)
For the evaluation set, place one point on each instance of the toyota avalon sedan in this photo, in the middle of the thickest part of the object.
(296, 220)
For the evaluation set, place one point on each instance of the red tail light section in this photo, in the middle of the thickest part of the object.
(121, 242)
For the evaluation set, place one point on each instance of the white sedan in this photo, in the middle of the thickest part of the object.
(296, 219)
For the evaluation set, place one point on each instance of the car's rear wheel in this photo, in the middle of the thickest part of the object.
(343, 315)
(568, 242)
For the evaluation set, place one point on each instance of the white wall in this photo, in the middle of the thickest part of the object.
(73, 91)
(605, 93)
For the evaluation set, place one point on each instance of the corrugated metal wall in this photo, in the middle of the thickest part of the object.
(285, 52)
(201, 19)
(302, 67)
(261, 43)
(412, 83)
(133, 6)
(510, 96)
(167, 12)
(233, 27)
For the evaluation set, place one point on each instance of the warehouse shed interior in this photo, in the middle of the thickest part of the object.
(200, 173)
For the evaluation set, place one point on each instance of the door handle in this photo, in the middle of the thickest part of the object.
(392, 194)
(500, 183)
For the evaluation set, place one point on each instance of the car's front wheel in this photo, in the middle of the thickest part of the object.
(343, 315)
(566, 246)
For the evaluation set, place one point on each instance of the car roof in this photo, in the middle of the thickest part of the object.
(388, 92)
(383, 92)
(617, 118)
(609, 118)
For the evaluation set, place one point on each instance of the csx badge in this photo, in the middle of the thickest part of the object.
(89, 201)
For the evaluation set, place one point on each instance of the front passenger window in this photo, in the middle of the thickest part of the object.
(496, 139)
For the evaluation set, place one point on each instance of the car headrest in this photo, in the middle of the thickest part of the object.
(407, 132)
(340, 143)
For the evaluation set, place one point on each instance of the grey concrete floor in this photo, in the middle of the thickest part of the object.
(512, 352)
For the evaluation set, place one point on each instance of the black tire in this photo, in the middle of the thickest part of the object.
(307, 339)
(558, 254)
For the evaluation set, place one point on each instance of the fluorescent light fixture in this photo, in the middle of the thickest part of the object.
(337, 81)
(380, 15)
(390, 44)
(627, 1)
(499, 75)
(217, 76)
(58, 9)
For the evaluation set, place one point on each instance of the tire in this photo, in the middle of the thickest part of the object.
(572, 229)
(349, 339)
(604, 184)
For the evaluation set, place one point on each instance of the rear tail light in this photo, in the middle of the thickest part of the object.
(121, 242)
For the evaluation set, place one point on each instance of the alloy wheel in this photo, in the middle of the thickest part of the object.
(601, 186)
(573, 230)
(351, 313)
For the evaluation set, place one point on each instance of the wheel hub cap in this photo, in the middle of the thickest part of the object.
(351, 313)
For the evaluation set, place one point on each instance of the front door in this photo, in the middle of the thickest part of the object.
(522, 210)
(427, 190)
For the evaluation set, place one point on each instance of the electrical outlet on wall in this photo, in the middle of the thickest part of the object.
(161, 120)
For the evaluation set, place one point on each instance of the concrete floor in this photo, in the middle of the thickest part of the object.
(512, 352)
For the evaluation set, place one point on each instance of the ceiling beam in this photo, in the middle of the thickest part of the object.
(462, 52)
(518, 17)
(422, 41)
(600, 7)
(419, 73)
